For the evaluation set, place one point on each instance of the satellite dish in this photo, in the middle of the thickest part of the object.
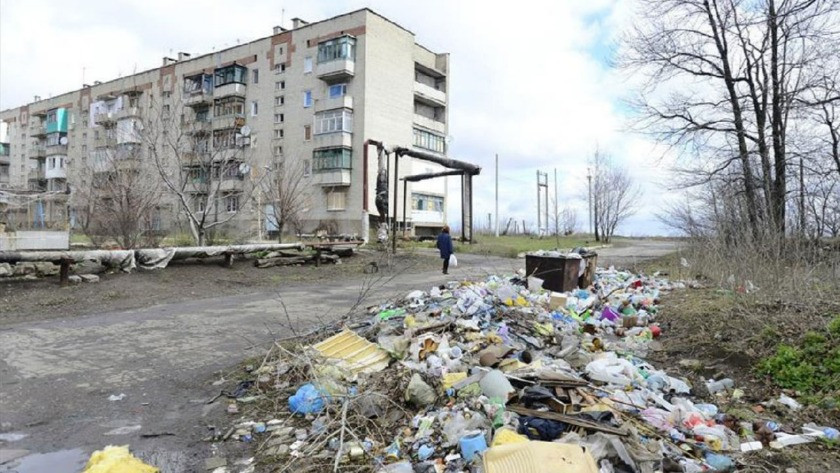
(245, 130)
(244, 168)
(63, 140)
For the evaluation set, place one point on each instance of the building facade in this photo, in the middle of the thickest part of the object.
(311, 97)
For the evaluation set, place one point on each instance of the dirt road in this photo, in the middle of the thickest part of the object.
(56, 375)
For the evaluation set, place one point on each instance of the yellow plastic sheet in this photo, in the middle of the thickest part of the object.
(506, 436)
(113, 459)
(538, 457)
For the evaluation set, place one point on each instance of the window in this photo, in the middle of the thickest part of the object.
(339, 48)
(336, 199)
(84, 150)
(255, 76)
(229, 106)
(232, 202)
(231, 170)
(307, 167)
(196, 175)
(279, 118)
(166, 94)
(307, 98)
(230, 74)
(224, 138)
(53, 139)
(199, 83)
(279, 100)
(254, 108)
(133, 101)
(307, 64)
(307, 132)
(430, 141)
(333, 121)
(330, 159)
(432, 203)
(202, 114)
(280, 68)
(278, 134)
(278, 151)
(280, 85)
(199, 202)
(166, 110)
(338, 90)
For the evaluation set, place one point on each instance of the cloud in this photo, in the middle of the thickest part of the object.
(529, 81)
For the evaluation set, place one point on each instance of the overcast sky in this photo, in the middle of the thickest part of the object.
(530, 81)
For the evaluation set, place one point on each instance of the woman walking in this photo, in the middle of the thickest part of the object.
(444, 244)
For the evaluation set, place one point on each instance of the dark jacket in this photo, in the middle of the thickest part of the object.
(444, 244)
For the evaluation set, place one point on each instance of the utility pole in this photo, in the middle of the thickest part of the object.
(489, 221)
(542, 182)
(539, 211)
(589, 178)
(556, 214)
(497, 195)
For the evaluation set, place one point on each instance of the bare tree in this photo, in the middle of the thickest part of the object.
(725, 78)
(569, 220)
(120, 195)
(202, 152)
(285, 195)
(614, 195)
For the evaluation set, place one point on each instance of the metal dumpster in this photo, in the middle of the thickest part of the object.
(559, 273)
(565, 272)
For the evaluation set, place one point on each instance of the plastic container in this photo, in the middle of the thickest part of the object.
(471, 444)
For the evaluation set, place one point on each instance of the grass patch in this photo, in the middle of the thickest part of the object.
(811, 367)
(510, 246)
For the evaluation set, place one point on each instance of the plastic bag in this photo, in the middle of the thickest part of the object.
(453, 261)
(307, 400)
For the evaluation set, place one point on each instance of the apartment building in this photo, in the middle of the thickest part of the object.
(310, 96)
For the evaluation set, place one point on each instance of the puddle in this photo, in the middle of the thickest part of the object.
(12, 437)
(70, 461)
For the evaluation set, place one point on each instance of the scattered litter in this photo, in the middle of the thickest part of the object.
(112, 459)
(492, 376)
(116, 397)
(790, 402)
(12, 437)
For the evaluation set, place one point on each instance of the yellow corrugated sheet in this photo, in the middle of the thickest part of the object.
(538, 457)
(356, 353)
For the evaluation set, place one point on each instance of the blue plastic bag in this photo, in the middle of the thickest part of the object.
(307, 400)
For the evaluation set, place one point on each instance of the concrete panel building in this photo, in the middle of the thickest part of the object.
(311, 96)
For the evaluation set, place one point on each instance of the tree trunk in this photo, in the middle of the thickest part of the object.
(280, 226)
(779, 161)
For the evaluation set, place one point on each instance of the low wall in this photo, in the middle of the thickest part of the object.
(34, 240)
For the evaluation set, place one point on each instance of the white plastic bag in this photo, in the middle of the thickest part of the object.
(453, 261)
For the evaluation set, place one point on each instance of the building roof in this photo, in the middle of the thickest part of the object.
(302, 27)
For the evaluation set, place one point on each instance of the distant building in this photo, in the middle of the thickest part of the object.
(311, 95)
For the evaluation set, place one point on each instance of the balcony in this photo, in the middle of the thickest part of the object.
(39, 151)
(58, 172)
(345, 101)
(199, 127)
(332, 177)
(129, 112)
(37, 127)
(230, 89)
(5, 159)
(228, 184)
(56, 149)
(429, 95)
(430, 123)
(104, 140)
(201, 98)
(333, 140)
(106, 119)
(427, 216)
(228, 121)
(36, 173)
(4, 177)
(335, 70)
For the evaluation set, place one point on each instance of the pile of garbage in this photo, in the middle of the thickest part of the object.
(489, 376)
